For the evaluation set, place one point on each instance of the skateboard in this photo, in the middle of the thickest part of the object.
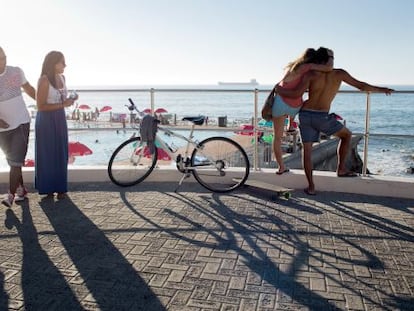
(280, 191)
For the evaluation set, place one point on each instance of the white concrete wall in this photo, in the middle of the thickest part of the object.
(325, 181)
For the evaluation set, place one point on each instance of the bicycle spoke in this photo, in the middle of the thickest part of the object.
(220, 164)
(131, 163)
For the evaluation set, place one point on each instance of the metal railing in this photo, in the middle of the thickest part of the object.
(256, 106)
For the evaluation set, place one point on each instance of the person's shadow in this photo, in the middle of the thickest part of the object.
(43, 285)
(4, 297)
(112, 281)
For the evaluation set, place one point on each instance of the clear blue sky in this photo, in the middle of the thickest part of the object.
(152, 42)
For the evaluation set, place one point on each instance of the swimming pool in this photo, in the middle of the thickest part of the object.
(104, 141)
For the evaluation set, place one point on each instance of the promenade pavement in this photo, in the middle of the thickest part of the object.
(149, 248)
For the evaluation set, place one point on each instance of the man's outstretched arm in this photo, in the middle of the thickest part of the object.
(363, 86)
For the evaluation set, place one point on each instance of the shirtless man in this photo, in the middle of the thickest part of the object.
(314, 116)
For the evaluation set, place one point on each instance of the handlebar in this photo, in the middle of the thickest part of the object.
(132, 106)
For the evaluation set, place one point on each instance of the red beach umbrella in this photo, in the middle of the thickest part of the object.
(160, 110)
(147, 110)
(247, 129)
(84, 107)
(29, 163)
(162, 154)
(78, 149)
(105, 109)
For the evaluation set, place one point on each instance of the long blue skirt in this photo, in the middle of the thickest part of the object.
(51, 152)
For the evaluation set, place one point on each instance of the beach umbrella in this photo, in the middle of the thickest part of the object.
(29, 163)
(248, 129)
(105, 109)
(161, 110)
(147, 110)
(162, 154)
(84, 107)
(78, 149)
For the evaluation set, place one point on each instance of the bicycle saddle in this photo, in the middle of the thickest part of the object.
(199, 120)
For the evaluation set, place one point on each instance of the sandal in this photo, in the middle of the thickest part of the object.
(61, 196)
(282, 172)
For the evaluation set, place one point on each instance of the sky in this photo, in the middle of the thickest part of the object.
(193, 42)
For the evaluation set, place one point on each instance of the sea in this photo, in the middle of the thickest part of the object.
(390, 121)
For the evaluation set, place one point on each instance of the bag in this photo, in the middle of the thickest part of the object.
(148, 131)
(268, 104)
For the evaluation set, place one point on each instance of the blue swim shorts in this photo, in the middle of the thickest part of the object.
(14, 144)
(312, 123)
(280, 108)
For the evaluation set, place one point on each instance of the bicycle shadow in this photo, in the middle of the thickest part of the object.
(363, 256)
(266, 227)
(109, 277)
(224, 237)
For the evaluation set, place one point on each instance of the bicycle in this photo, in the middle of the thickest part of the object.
(218, 163)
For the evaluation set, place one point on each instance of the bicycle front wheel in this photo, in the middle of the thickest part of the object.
(131, 162)
(220, 164)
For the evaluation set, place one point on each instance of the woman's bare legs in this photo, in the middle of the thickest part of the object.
(278, 125)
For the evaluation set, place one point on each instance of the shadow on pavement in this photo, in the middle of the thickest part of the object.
(43, 285)
(110, 278)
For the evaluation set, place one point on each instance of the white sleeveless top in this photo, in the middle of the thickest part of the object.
(57, 96)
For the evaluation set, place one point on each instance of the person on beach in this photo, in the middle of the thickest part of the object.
(14, 126)
(51, 145)
(286, 106)
(314, 116)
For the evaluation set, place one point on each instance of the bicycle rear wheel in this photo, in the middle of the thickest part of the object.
(220, 164)
(131, 162)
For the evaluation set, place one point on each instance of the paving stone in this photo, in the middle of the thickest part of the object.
(148, 248)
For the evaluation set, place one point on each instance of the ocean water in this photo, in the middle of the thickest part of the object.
(389, 115)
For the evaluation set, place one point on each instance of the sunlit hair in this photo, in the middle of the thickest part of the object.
(322, 55)
(48, 67)
(307, 57)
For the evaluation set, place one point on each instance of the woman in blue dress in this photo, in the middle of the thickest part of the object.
(51, 146)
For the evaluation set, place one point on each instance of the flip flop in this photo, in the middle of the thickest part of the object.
(308, 192)
(348, 174)
(282, 172)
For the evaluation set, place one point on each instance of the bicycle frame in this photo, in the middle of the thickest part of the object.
(210, 161)
(189, 142)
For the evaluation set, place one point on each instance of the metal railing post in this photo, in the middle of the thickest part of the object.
(366, 135)
(256, 147)
(152, 91)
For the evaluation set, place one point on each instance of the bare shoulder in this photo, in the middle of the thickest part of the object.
(43, 82)
(43, 79)
(340, 72)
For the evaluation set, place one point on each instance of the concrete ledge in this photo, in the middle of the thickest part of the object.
(399, 187)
